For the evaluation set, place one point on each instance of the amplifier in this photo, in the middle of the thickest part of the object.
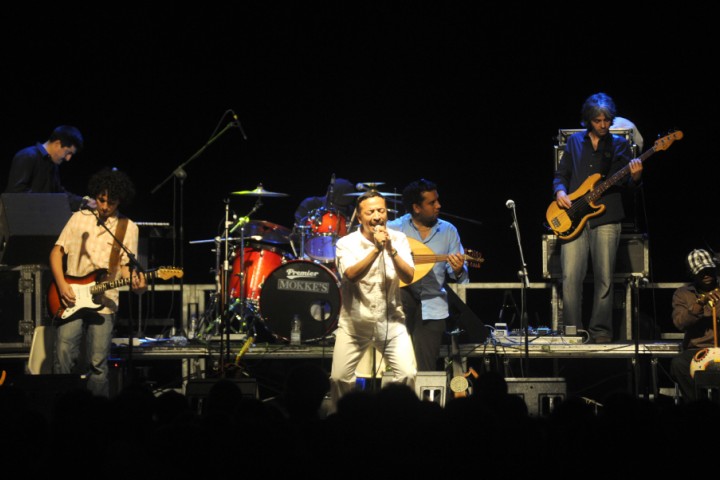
(632, 257)
(564, 133)
(541, 395)
(559, 149)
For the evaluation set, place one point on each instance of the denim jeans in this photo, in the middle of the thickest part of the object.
(97, 349)
(601, 244)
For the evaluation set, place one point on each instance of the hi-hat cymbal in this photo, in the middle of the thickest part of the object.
(260, 192)
(372, 184)
(384, 194)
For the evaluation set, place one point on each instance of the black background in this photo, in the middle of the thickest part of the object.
(469, 95)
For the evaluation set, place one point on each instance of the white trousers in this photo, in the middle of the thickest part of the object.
(391, 339)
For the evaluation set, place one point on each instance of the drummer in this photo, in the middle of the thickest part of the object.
(338, 200)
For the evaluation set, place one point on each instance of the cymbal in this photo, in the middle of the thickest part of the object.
(257, 231)
(260, 192)
(268, 232)
(210, 240)
(384, 194)
(372, 184)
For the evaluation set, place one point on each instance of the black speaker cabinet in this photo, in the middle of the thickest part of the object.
(29, 225)
(197, 390)
(632, 257)
(43, 391)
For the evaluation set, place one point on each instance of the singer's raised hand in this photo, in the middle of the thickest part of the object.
(381, 237)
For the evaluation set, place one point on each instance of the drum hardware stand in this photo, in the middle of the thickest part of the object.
(303, 232)
(226, 312)
(180, 174)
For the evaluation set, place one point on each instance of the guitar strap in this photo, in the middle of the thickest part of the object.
(116, 249)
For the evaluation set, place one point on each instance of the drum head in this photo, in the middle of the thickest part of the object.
(301, 288)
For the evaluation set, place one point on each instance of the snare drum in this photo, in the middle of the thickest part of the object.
(303, 288)
(259, 262)
(326, 226)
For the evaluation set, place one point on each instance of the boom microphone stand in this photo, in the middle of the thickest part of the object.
(523, 275)
(181, 175)
(134, 266)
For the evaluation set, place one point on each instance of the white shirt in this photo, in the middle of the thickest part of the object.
(376, 296)
(88, 247)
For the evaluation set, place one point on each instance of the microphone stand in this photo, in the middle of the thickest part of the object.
(523, 276)
(181, 175)
(445, 214)
(134, 266)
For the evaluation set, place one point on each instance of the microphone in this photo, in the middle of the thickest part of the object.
(84, 203)
(510, 204)
(376, 230)
(238, 124)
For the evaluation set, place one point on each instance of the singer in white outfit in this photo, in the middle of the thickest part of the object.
(371, 262)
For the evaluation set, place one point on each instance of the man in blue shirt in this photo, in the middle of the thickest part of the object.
(425, 301)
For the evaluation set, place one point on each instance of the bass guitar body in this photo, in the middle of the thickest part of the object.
(568, 223)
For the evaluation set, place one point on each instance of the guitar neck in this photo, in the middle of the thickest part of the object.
(104, 286)
(604, 186)
(429, 258)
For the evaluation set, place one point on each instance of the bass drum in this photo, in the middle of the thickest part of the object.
(302, 288)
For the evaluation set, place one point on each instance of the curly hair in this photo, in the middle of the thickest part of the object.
(116, 183)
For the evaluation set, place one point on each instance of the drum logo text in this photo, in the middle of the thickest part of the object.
(302, 286)
(292, 273)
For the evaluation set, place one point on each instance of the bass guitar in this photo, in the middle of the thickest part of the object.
(86, 289)
(568, 223)
(425, 258)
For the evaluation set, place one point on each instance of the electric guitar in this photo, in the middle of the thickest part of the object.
(86, 288)
(568, 223)
(425, 258)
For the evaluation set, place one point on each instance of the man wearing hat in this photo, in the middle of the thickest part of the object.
(692, 313)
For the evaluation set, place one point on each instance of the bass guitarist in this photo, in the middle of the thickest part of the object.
(85, 244)
(595, 151)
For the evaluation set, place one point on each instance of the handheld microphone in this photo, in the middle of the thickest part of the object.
(376, 230)
(239, 125)
(510, 204)
(84, 203)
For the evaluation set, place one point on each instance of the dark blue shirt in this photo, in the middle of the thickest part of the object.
(32, 171)
(580, 161)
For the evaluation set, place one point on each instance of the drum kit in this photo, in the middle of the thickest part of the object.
(278, 273)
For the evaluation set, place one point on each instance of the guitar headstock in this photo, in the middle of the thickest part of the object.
(474, 258)
(665, 142)
(166, 273)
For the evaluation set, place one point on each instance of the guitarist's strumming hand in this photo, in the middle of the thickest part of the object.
(562, 199)
(67, 294)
